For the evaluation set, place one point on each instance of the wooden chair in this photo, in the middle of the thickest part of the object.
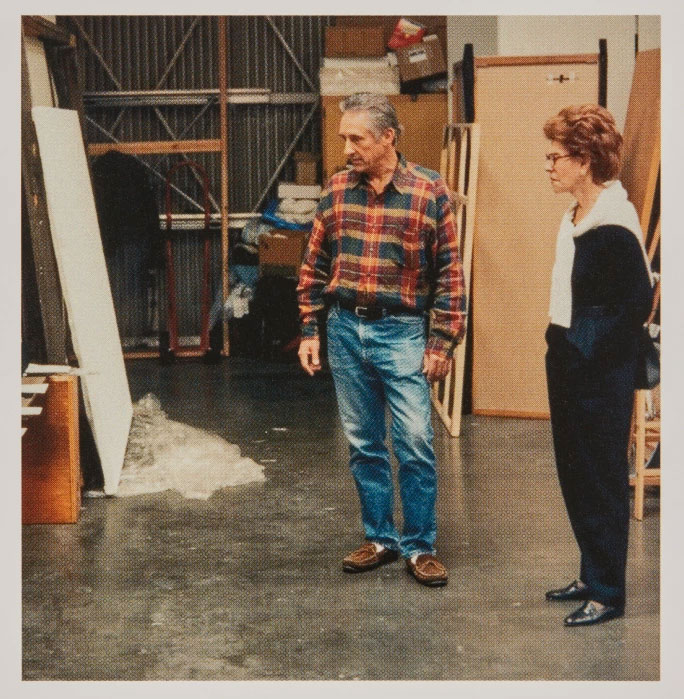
(645, 435)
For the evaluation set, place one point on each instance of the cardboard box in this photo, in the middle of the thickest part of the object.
(421, 60)
(354, 41)
(306, 168)
(435, 24)
(282, 252)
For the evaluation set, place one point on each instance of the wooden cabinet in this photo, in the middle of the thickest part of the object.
(516, 219)
(50, 468)
(423, 117)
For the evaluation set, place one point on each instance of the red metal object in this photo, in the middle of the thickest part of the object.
(174, 347)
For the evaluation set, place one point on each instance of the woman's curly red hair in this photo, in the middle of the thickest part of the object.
(589, 131)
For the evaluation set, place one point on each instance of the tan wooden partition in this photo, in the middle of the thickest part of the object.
(641, 160)
(423, 118)
(516, 222)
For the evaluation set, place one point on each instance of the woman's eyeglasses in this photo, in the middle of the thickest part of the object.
(553, 157)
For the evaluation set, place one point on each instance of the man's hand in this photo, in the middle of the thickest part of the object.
(308, 355)
(435, 367)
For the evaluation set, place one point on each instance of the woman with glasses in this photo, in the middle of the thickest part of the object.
(601, 293)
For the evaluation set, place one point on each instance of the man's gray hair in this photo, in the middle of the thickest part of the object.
(380, 109)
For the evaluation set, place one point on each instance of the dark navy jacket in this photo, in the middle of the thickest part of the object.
(611, 295)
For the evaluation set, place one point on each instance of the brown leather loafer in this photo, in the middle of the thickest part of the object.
(367, 558)
(427, 570)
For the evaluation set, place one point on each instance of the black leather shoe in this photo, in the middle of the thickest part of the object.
(575, 590)
(589, 614)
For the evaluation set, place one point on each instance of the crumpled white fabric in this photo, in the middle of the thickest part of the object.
(237, 303)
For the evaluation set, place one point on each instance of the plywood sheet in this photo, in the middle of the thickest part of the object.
(85, 284)
(642, 132)
(424, 120)
(516, 223)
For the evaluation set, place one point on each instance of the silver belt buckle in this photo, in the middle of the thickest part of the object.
(360, 311)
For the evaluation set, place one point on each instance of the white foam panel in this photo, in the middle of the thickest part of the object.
(85, 285)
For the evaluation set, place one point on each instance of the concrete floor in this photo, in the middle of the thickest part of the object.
(248, 584)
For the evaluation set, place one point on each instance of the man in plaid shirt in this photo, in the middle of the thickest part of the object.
(383, 258)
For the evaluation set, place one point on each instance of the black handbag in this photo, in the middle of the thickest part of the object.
(648, 350)
(648, 361)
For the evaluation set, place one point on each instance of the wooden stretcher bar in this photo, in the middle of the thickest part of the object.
(459, 167)
(207, 145)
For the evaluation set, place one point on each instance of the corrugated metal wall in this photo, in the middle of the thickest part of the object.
(180, 53)
(120, 54)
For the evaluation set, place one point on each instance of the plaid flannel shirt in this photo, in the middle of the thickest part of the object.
(397, 248)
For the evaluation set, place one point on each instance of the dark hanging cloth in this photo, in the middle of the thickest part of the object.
(126, 205)
(276, 310)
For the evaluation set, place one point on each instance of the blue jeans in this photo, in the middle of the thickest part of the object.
(374, 364)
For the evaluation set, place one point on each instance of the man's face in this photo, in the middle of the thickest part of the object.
(362, 150)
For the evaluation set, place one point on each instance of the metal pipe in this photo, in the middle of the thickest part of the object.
(150, 98)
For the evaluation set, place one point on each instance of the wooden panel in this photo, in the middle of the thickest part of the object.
(516, 223)
(424, 120)
(54, 328)
(642, 134)
(152, 147)
(50, 468)
(85, 284)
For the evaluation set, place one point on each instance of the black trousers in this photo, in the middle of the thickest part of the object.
(591, 407)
